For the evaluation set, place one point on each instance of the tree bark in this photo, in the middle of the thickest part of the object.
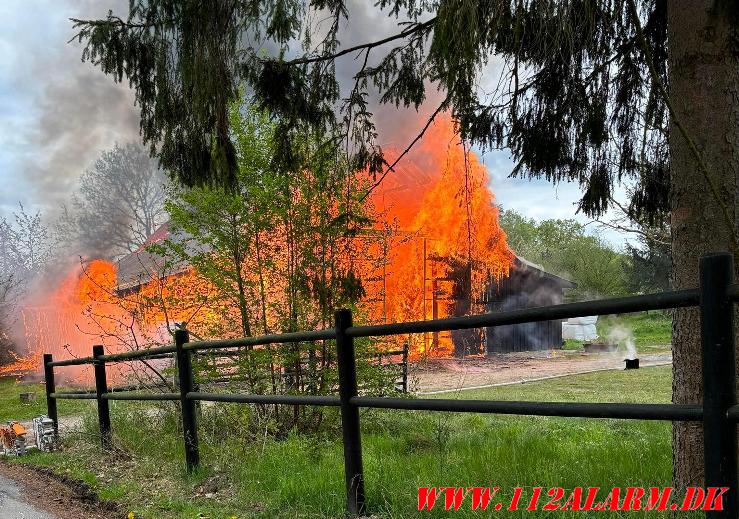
(704, 87)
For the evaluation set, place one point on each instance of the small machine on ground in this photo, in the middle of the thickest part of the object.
(43, 429)
(13, 439)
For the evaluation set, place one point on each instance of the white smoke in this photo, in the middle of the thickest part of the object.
(623, 337)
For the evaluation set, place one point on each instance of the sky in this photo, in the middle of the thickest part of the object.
(59, 113)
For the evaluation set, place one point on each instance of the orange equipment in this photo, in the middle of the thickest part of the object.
(13, 439)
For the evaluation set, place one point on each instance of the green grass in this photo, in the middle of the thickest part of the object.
(572, 344)
(651, 330)
(253, 475)
(11, 408)
(649, 385)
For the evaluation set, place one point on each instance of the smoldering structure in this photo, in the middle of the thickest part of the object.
(527, 285)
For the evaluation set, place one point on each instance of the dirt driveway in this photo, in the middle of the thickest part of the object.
(440, 375)
(37, 493)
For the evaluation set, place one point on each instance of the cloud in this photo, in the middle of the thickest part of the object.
(62, 112)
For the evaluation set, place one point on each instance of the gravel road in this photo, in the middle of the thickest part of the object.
(445, 375)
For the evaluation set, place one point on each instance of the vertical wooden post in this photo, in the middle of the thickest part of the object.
(425, 312)
(101, 388)
(51, 410)
(719, 379)
(346, 361)
(189, 422)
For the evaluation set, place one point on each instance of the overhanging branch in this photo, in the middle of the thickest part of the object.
(364, 46)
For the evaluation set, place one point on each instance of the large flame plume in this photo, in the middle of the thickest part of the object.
(448, 242)
(441, 245)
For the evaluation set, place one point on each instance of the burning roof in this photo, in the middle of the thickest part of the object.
(141, 266)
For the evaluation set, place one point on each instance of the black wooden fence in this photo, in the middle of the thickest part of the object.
(719, 413)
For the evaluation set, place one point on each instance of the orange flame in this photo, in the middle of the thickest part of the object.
(440, 244)
(444, 213)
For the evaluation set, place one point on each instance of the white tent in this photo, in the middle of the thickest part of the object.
(580, 328)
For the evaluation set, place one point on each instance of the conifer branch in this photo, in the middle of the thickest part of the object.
(679, 125)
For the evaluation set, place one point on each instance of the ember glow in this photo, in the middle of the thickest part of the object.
(441, 245)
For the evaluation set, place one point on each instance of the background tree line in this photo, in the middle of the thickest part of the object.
(566, 248)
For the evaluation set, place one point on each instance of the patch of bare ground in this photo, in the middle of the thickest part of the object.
(442, 374)
(60, 495)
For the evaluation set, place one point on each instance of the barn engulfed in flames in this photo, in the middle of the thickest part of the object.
(449, 244)
(443, 247)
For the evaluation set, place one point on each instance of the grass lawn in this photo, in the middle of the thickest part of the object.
(652, 330)
(11, 408)
(248, 475)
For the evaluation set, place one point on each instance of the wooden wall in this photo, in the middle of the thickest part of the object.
(524, 288)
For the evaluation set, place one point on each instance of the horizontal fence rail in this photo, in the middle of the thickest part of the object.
(318, 335)
(316, 400)
(719, 412)
(676, 299)
(568, 409)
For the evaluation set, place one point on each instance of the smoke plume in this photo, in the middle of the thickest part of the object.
(78, 111)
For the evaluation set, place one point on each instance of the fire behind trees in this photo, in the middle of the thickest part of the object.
(283, 252)
(118, 203)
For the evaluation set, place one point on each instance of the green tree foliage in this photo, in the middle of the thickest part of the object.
(650, 256)
(564, 248)
(297, 230)
(279, 249)
(651, 259)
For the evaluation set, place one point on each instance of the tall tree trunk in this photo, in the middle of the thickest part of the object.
(704, 87)
(237, 255)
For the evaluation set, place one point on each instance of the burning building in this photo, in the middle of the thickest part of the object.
(436, 250)
(442, 253)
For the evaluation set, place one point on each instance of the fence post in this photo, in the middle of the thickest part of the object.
(719, 378)
(189, 424)
(101, 387)
(51, 411)
(347, 364)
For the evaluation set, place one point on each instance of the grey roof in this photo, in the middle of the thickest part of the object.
(526, 265)
(141, 266)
